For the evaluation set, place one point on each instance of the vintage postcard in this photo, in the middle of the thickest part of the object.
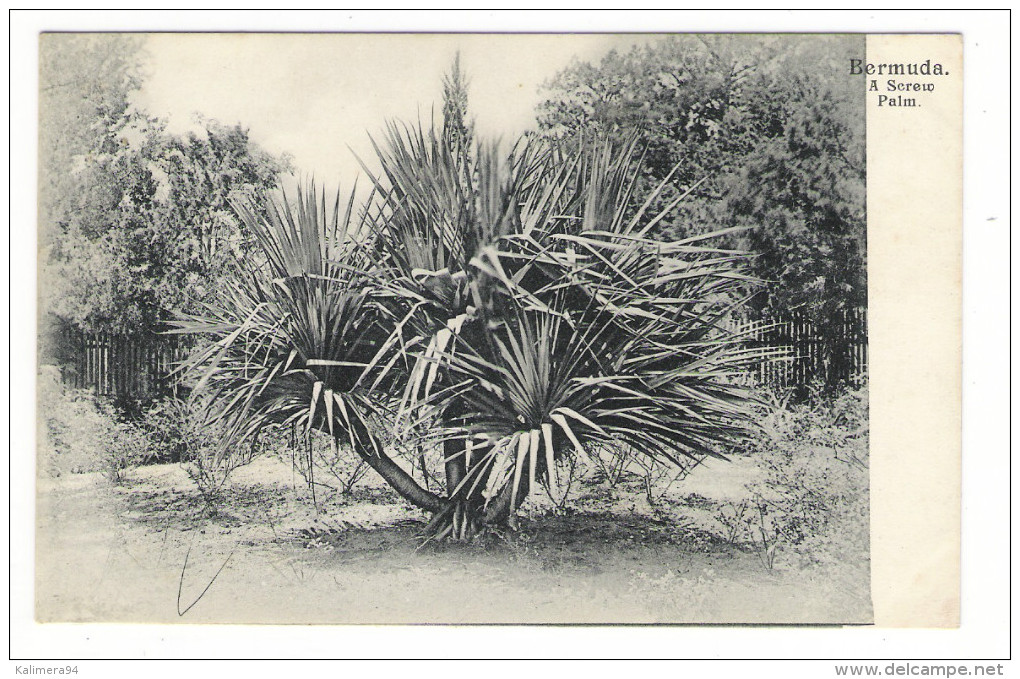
(499, 328)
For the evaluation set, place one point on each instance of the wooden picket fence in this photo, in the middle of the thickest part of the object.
(139, 368)
(121, 368)
(802, 355)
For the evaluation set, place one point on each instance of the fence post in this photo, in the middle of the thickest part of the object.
(124, 368)
(808, 356)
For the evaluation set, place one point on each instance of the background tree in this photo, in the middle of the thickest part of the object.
(765, 132)
(86, 119)
(134, 221)
(86, 83)
(193, 228)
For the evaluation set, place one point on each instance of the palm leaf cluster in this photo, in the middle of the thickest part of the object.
(294, 335)
(519, 303)
(583, 330)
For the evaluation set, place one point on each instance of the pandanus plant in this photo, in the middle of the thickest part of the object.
(552, 320)
(519, 303)
(294, 335)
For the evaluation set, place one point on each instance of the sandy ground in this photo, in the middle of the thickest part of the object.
(147, 549)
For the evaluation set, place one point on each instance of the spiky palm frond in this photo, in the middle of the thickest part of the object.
(647, 371)
(516, 301)
(439, 208)
(290, 340)
(591, 333)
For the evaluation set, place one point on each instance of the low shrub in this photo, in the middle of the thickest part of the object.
(811, 506)
(81, 433)
(181, 431)
(173, 429)
(324, 464)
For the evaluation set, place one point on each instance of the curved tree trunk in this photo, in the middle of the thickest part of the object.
(402, 482)
(460, 518)
(371, 452)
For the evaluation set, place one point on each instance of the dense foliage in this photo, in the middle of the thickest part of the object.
(135, 222)
(811, 505)
(516, 302)
(80, 433)
(764, 132)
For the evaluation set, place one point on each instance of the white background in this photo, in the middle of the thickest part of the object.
(986, 509)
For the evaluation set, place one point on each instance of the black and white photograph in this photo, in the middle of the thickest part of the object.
(453, 329)
(386, 336)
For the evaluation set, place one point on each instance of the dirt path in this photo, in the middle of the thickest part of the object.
(116, 554)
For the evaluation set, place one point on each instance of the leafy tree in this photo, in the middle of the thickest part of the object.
(85, 86)
(766, 132)
(85, 121)
(93, 269)
(135, 221)
(802, 195)
(194, 230)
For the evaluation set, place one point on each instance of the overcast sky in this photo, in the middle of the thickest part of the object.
(314, 95)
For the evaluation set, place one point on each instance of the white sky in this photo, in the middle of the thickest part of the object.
(314, 95)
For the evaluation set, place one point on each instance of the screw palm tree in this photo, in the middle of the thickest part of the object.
(518, 302)
(294, 335)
